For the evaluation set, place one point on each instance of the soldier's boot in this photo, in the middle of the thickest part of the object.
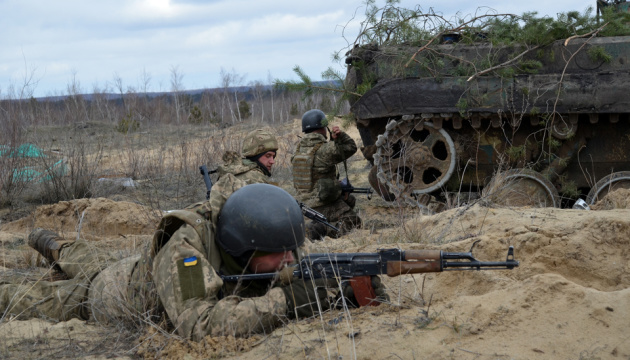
(351, 201)
(47, 243)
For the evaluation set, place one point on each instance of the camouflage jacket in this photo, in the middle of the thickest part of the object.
(185, 271)
(243, 169)
(327, 154)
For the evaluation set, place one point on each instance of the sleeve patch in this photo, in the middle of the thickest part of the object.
(191, 261)
(191, 278)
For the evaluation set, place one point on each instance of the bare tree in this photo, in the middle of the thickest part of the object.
(118, 85)
(226, 82)
(230, 81)
(259, 94)
(29, 82)
(270, 81)
(177, 87)
(145, 80)
(75, 103)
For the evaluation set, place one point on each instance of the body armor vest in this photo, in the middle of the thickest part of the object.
(196, 215)
(305, 173)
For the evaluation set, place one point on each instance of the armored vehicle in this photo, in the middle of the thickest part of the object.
(521, 125)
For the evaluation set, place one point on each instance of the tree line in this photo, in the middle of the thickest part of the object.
(133, 109)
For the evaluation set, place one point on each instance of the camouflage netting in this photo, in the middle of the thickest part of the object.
(408, 39)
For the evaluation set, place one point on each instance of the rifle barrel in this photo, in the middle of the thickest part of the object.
(316, 216)
(478, 265)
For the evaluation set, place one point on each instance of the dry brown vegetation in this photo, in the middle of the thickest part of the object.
(569, 299)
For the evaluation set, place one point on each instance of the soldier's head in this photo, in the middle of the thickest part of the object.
(259, 226)
(314, 121)
(261, 146)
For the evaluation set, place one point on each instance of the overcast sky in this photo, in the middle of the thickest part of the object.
(92, 43)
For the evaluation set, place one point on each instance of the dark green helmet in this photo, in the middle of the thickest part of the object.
(313, 120)
(260, 217)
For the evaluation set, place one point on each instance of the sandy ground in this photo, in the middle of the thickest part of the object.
(568, 299)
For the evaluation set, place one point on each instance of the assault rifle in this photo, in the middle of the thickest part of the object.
(315, 216)
(347, 188)
(206, 178)
(357, 268)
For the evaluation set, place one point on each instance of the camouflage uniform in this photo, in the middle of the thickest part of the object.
(176, 274)
(316, 181)
(245, 167)
(61, 300)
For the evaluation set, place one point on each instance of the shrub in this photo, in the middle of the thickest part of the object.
(127, 124)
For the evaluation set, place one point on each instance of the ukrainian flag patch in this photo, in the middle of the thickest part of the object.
(191, 261)
(191, 279)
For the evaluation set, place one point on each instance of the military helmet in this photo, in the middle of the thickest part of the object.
(260, 217)
(259, 141)
(313, 120)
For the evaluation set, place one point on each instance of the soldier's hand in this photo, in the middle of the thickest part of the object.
(335, 131)
(306, 297)
(285, 276)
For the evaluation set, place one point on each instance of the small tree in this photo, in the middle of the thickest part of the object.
(294, 109)
(195, 116)
(127, 124)
(326, 104)
(243, 109)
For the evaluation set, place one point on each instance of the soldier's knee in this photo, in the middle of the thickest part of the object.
(350, 201)
(347, 223)
(316, 231)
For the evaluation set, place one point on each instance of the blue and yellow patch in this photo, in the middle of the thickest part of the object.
(191, 279)
(191, 261)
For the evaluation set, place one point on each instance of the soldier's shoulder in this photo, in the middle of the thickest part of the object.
(202, 208)
(314, 137)
(311, 140)
(242, 167)
(231, 158)
(254, 176)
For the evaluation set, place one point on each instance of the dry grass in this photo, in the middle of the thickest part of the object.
(163, 162)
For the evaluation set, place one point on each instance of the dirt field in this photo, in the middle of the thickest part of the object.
(569, 299)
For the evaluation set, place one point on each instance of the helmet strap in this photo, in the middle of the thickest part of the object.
(235, 264)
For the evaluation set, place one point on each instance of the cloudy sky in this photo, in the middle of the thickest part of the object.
(140, 44)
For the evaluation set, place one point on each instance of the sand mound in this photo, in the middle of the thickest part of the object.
(97, 216)
(568, 299)
(616, 199)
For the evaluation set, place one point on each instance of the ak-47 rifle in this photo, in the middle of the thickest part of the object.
(347, 188)
(316, 216)
(357, 268)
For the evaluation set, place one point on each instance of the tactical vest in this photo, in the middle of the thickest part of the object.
(305, 175)
(316, 185)
(198, 216)
(303, 179)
